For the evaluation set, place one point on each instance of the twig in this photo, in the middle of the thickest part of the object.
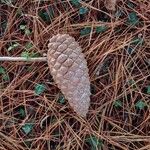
(37, 59)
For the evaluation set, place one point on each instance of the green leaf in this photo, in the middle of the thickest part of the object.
(22, 112)
(39, 88)
(129, 50)
(27, 128)
(34, 54)
(76, 3)
(13, 46)
(27, 32)
(132, 83)
(83, 10)
(10, 48)
(101, 29)
(85, 31)
(28, 45)
(133, 18)
(19, 12)
(3, 26)
(29, 68)
(137, 40)
(5, 77)
(117, 103)
(130, 4)
(61, 99)
(22, 27)
(28, 144)
(140, 104)
(25, 29)
(46, 15)
(50, 12)
(94, 142)
(25, 54)
(8, 2)
(29, 55)
(2, 70)
(148, 89)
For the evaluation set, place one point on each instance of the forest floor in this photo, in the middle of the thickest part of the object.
(33, 112)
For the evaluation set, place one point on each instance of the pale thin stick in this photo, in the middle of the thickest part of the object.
(36, 59)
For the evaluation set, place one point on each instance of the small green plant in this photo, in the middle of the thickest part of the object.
(140, 105)
(137, 41)
(25, 54)
(7, 2)
(101, 29)
(28, 45)
(19, 12)
(94, 142)
(4, 74)
(85, 31)
(148, 89)
(27, 32)
(75, 3)
(132, 83)
(130, 4)
(22, 112)
(39, 89)
(117, 103)
(134, 42)
(25, 29)
(27, 128)
(83, 10)
(5, 77)
(61, 99)
(129, 50)
(133, 19)
(29, 55)
(2, 70)
(13, 46)
(22, 27)
(46, 14)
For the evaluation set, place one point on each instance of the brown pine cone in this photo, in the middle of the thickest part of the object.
(110, 4)
(69, 70)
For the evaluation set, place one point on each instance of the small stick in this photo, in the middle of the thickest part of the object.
(36, 59)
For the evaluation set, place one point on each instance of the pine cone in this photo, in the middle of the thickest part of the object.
(69, 70)
(110, 4)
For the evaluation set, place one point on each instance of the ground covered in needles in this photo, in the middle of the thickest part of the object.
(33, 112)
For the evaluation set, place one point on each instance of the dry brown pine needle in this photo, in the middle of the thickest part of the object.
(69, 70)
